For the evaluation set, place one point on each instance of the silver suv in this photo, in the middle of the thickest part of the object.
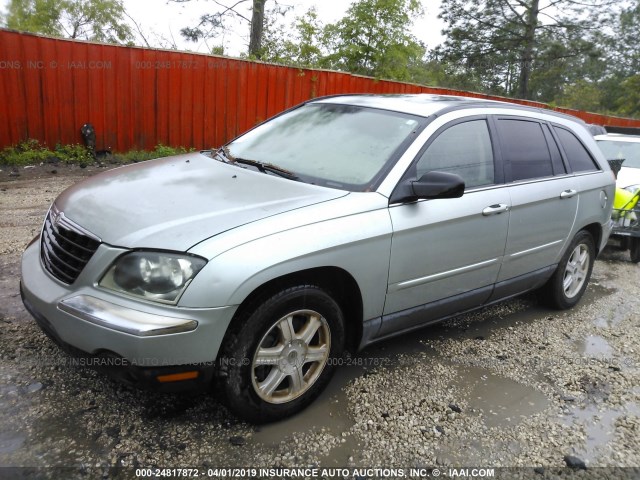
(341, 222)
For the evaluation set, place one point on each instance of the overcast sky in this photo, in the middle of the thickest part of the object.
(161, 21)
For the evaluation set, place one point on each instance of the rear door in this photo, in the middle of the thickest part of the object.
(544, 200)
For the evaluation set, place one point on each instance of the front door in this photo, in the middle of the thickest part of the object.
(446, 253)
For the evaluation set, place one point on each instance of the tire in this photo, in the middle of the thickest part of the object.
(634, 249)
(568, 283)
(277, 359)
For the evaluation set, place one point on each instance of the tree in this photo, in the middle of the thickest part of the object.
(501, 40)
(302, 44)
(214, 24)
(37, 16)
(628, 101)
(625, 49)
(582, 95)
(257, 28)
(97, 20)
(373, 39)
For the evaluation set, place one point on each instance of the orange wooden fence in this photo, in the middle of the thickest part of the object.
(137, 98)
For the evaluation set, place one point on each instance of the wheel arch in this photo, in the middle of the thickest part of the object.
(595, 230)
(337, 282)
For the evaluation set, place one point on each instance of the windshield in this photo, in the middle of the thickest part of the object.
(617, 150)
(332, 145)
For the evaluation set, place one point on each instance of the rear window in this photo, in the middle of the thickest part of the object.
(628, 151)
(525, 149)
(579, 158)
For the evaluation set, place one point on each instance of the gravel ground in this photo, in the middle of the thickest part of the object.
(511, 385)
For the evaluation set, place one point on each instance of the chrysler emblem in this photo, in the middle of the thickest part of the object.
(55, 218)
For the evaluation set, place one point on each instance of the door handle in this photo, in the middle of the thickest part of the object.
(568, 193)
(495, 209)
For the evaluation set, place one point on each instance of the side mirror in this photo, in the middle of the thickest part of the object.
(431, 185)
(438, 185)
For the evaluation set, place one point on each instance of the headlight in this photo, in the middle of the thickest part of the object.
(157, 276)
(632, 188)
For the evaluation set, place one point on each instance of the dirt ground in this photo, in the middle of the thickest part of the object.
(513, 385)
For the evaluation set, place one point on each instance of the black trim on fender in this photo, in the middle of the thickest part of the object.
(521, 284)
(405, 321)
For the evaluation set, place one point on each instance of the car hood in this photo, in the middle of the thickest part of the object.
(628, 176)
(176, 202)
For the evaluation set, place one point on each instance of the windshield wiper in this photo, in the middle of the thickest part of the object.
(263, 167)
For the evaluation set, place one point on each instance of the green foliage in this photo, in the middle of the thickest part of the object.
(624, 45)
(582, 95)
(143, 155)
(628, 102)
(525, 48)
(97, 20)
(305, 47)
(32, 152)
(217, 50)
(29, 152)
(37, 16)
(371, 39)
(73, 154)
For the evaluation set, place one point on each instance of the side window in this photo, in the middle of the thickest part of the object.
(578, 157)
(465, 149)
(556, 158)
(525, 149)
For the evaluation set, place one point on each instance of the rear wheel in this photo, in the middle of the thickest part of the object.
(278, 359)
(567, 285)
(634, 249)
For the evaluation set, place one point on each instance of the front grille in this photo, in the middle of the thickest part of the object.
(65, 249)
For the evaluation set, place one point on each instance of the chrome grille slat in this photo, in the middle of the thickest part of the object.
(51, 253)
(55, 271)
(56, 246)
(64, 250)
(60, 231)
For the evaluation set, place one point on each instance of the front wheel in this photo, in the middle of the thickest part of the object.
(277, 359)
(567, 285)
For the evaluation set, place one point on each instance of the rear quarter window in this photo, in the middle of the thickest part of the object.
(579, 158)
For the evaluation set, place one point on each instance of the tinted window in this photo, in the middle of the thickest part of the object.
(556, 158)
(464, 149)
(577, 156)
(525, 149)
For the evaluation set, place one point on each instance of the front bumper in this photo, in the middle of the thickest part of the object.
(134, 358)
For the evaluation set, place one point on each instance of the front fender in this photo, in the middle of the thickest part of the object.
(358, 243)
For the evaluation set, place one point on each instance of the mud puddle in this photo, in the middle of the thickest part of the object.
(594, 346)
(599, 426)
(502, 401)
